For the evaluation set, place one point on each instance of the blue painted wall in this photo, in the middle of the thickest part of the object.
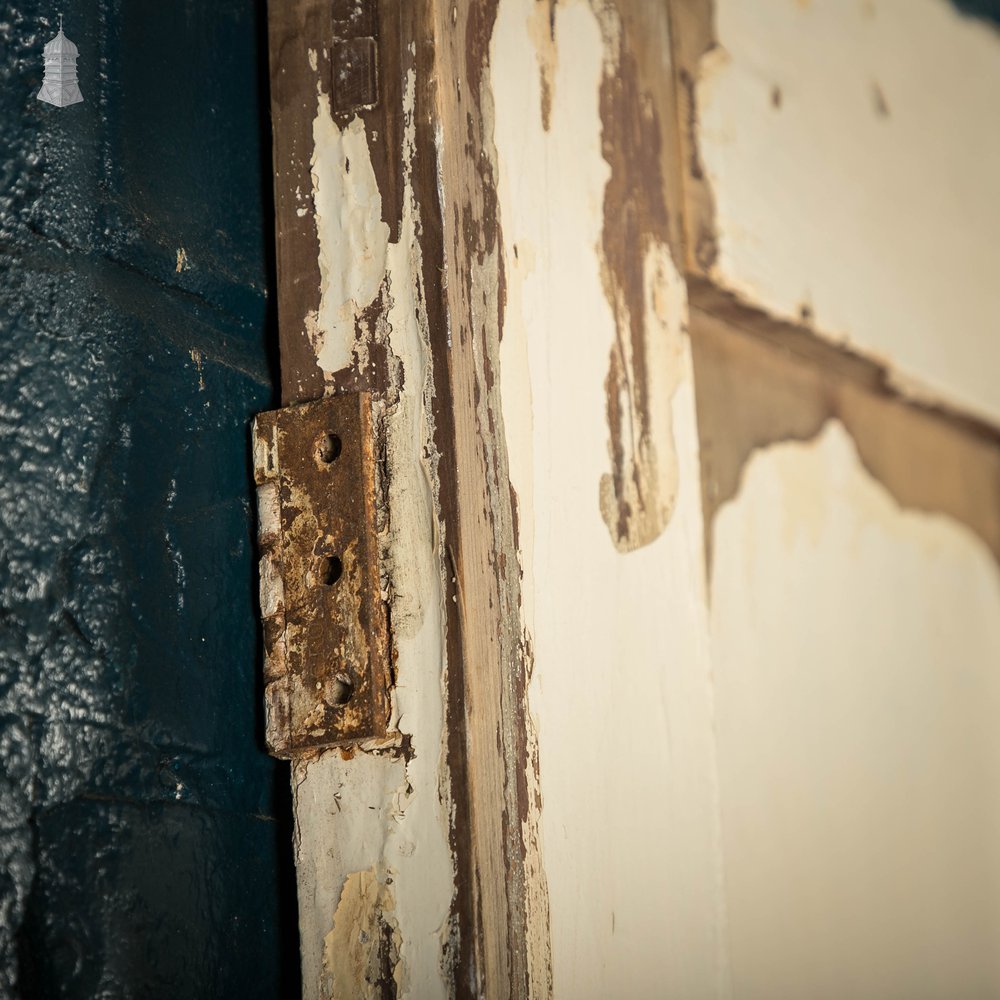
(144, 835)
(989, 10)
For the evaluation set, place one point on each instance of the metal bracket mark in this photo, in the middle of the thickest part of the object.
(326, 656)
(354, 56)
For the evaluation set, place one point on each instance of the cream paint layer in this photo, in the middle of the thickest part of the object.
(854, 158)
(856, 651)
(620, 690)
(375, 813)
(352, 236)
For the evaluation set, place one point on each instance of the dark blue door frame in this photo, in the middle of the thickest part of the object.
(145, 842)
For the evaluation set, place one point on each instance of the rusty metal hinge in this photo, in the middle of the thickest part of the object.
(326, 657)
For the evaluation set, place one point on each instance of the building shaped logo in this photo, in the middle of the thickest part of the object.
(59, 86)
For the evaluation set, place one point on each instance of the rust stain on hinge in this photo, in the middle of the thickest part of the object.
(326, 655)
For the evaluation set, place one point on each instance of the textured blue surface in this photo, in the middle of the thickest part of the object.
(989, 10)
(144, 841)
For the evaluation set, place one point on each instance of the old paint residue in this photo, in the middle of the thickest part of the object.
(352, 236)
(503, 946)
(646, 293)
(384, 810)
(824, 203)
(637, 497)
(695, 56)
(619, 643)
(761, 380)
(542, 28)
(422, 806)
(361, 951)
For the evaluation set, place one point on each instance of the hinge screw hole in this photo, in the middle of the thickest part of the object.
(328, 448)
(343, 689)
(329, 570)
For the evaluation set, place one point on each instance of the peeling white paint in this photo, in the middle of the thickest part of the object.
(855, 648)
(848, 845)
(620, 688)
(650, 487)
(854, 158)
(342, 821)
(353, 239)
(376, 811)
(792, 793)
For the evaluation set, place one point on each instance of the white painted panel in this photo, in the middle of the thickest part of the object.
(856, 653)
(854, 153)
(620, 689)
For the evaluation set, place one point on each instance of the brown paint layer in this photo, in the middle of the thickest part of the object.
(692, 34)
(295, 29)
(642, 211)
(759, 380)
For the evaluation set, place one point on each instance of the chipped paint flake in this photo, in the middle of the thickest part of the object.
(361, 951)
(196, 357)
(353, 238)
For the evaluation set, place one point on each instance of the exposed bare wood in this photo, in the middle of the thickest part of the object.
(692, 36)
(487, 699)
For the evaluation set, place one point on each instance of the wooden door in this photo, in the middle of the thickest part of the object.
(610, 453)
